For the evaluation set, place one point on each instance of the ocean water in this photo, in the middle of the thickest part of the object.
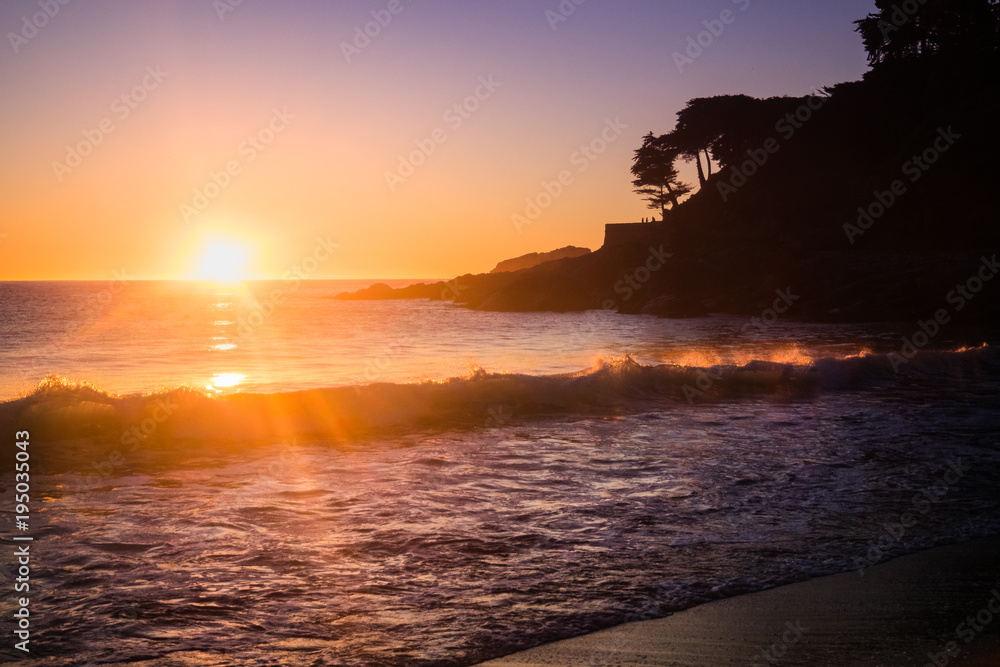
(263, 474)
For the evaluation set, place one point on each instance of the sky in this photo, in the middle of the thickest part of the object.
(369, 139)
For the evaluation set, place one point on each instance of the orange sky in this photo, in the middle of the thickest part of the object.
(198, 87)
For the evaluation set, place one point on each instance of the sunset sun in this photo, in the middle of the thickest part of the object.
(222, 261)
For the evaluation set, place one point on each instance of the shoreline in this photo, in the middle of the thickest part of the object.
(911, 610)
(914, 281)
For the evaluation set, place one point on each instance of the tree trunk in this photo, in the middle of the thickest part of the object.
(673, 200)
(701, 174)
(708, 161)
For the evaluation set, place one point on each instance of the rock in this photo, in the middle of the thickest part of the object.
(534, 259)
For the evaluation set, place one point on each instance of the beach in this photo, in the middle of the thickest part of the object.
(911, 610)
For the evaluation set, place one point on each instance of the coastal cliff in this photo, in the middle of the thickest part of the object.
(871, 202)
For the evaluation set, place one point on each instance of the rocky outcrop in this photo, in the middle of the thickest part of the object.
(815, 233)
(534, 259)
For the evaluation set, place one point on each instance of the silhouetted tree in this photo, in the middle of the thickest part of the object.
(700, 126)
(724, 127)
(902, 32)
(694, 135)
(657, 179)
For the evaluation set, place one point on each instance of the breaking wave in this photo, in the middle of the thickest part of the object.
(62, 409)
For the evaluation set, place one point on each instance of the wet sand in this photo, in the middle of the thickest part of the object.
(908, 611)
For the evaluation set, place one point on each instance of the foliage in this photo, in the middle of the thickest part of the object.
(657, 179)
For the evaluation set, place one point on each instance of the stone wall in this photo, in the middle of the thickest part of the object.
(629, 232)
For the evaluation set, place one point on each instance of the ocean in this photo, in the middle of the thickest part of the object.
(261, 473)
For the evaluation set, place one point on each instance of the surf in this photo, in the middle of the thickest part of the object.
(59, 408)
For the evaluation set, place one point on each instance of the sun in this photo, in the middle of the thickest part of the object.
(223, 261)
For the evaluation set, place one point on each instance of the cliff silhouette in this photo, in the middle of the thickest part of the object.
(871, 200)
(534, 259)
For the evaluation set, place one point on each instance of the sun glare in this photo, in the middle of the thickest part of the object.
(225, 381)
(223, 261)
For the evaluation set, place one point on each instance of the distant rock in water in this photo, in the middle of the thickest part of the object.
(534, 259)
(382, 292)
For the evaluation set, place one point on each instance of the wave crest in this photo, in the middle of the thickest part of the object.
(61, 409)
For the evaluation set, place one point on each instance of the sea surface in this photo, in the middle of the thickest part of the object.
(261, 473)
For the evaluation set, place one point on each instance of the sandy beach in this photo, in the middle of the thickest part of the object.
(909, 611)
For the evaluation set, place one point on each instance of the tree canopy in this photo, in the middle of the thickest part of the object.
(902, 32)
(719, 129)
(902, 36)
(657, 179)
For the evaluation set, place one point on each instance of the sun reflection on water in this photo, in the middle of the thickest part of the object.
(222, 381)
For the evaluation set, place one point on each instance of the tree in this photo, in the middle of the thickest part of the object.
(906, 32)
(657, 179)
(722, 128)
(699, 126)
